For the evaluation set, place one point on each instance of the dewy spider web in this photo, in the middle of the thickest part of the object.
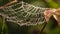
(23, 14)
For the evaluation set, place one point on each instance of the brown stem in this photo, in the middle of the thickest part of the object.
(14, 1)
(43, 28)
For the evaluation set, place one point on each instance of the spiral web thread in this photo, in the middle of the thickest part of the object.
(23, 14)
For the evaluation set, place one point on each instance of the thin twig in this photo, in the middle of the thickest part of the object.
(43, 28)
(12, 2)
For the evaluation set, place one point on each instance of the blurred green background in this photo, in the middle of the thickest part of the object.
(51, 27)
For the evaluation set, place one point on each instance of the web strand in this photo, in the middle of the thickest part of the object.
(24, 14)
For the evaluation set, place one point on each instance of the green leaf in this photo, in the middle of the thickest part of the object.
(3, 27)
(52, 4)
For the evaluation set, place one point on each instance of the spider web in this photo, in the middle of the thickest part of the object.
(23, 14)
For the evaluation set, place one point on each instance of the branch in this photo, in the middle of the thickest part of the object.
(14, 1)
(43, 28)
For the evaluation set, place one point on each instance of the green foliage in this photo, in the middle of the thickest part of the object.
(3, 27)
(52, 4)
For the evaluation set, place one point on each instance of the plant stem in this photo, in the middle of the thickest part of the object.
(43, 28)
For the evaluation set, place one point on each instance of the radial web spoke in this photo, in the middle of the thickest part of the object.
(24, 14)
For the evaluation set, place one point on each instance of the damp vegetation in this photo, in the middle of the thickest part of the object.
(28, 13)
